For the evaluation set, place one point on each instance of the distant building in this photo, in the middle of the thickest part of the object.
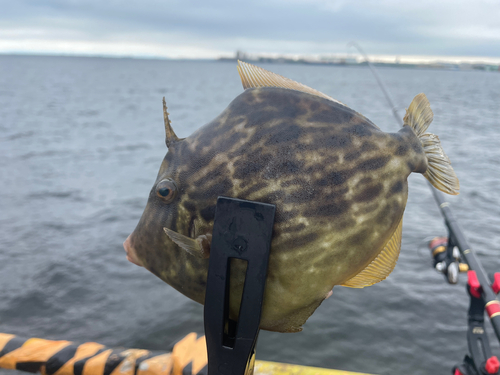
(242, 56)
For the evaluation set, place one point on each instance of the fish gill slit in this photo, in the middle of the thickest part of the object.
(192, 227)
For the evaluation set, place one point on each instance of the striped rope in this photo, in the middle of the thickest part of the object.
(188, 357)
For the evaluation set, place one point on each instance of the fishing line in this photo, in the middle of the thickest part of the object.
(389, 99)
(380, 82)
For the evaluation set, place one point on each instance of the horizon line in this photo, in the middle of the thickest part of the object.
(317, 57)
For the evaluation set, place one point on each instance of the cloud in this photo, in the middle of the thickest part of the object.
(195, 28)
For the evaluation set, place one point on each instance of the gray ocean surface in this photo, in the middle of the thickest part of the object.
(81, 141)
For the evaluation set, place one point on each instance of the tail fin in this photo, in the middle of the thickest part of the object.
(439, 172)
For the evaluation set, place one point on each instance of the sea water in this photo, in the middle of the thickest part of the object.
(81, 141)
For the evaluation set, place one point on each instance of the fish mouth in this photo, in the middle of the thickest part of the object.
(131, 253)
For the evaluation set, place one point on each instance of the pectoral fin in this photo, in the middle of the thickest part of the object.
(198, 247)
(382, 265)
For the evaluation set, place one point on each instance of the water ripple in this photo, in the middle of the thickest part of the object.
(75, 182)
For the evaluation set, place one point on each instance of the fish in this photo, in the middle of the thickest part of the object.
(339, 184)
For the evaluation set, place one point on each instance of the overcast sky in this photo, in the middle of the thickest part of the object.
(209, 28)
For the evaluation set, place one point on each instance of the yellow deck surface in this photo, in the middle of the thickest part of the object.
(274, 368)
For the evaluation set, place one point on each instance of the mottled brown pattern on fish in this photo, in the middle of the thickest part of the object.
(339, 184)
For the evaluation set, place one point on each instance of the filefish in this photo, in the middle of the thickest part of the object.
(339, 184)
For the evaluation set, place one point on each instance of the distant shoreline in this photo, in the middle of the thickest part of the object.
(332, 61)
(341, 61)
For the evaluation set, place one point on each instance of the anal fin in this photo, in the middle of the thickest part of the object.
(382, 265)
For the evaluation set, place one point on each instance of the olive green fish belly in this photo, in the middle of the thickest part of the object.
(305, 265)
(338, 182)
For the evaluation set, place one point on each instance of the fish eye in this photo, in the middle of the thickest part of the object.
(166, 190)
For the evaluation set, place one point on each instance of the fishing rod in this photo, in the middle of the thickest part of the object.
(448, 254)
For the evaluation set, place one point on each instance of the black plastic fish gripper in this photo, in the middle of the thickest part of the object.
(242, 230)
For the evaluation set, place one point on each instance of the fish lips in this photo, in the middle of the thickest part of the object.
(131, 253)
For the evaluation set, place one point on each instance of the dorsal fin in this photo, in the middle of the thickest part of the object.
(169, 132)
(252, 76)
(382, 265)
